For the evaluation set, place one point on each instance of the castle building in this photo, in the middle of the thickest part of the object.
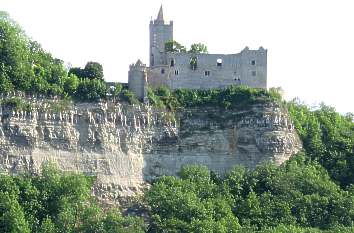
(183, 70)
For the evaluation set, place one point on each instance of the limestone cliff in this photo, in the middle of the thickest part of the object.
(124, 145)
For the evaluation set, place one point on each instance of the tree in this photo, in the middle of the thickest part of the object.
(116, 90)
(128, 96)
(327, 138)
(77, 71)
(91, 90)
(94, 70)
(198, 48)
(12, 218)
(115, 222)
(70, 84)
(47, 226)
(191, 204)
(174, 46)
(14, 53)
(6, 85)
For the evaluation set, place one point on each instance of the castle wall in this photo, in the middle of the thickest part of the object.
(246, 68)
(156, 78)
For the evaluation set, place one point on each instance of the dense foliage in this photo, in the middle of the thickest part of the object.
(328, 138)
(57, 202)
(232, 97)
(313, 192)
(295, 197)
(174, 46)
(25, 66)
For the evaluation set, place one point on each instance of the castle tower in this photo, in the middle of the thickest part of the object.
(137, 80)
(160, 33)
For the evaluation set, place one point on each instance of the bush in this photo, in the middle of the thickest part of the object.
(129, 97)
(91, 90)
(232, 97)
(57, 202)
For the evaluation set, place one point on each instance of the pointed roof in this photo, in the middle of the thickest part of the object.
(160, 15)
(139, 63)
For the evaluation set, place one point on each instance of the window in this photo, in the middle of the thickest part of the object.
(176, 72)
(254, 73)
(172, 62)
(219, 62)
(152, 60)
(162, 71)
(253, 62)
(207, 73)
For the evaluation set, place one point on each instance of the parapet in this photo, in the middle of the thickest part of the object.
(138, 66)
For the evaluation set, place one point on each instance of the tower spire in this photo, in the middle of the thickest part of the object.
(160, 15)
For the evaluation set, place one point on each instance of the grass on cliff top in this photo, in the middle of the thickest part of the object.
(232, 97)
(21, 104)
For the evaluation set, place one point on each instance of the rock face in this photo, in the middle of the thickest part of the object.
(124, 145)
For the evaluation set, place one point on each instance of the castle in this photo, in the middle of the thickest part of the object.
(182, 70)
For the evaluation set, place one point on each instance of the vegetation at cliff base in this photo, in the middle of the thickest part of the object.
(298, 196)
(328, 138)
(313, 192)
(57, 202)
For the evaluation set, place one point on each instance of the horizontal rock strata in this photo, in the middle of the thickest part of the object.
(125, 146)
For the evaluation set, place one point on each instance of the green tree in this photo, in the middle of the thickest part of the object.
(193, 203)
(174, 46)
(78, 72)
(6, 85)
(115, 222)
(116, 90)
(14, 53)
(93, 70)
(25, 64)
(198, 48)
(71, 84)
(128, 96)
(12, 219)
(91, 90)
(328, 138)
(47, 226)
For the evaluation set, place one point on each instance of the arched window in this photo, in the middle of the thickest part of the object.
(219, 62)
(172, 62)
(152, 59)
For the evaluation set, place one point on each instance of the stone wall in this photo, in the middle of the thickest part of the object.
(125, 146)
(246, 68)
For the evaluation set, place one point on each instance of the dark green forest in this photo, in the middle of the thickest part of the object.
(312, 192)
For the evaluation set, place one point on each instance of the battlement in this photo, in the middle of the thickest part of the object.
(137, 66)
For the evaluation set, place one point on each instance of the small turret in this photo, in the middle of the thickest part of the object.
(137, 80)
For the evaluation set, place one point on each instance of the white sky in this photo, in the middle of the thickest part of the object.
(310, 42)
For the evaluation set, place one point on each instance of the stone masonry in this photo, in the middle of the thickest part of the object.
(174, 70)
